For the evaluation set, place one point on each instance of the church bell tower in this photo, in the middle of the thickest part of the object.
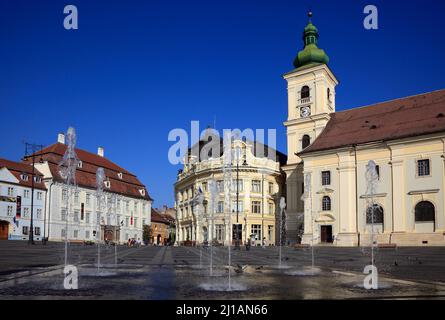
(311, 99)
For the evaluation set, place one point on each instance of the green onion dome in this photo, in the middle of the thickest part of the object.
(311, 54)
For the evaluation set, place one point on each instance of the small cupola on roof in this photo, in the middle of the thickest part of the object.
(311, 54)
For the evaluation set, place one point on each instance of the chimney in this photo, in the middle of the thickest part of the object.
(100, 151)
(61, 138)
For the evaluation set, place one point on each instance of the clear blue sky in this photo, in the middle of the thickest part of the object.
(136, 69)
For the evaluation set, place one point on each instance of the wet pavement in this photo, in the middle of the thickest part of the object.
(159, 273)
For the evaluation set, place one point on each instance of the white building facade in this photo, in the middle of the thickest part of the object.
(16, 199)
(116, 214)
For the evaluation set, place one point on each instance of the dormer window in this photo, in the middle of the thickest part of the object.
(79, 164)
(142, 191)
(120, 175)
(37, 179)
(107, 184)
(24, 177)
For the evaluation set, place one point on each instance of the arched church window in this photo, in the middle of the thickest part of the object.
(374, 214)
(326, 203)
(424, 211)
(305, 141)
(305, 92)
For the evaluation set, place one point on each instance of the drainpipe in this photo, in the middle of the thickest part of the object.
(356, 195)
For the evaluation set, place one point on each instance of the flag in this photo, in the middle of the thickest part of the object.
(16, 222)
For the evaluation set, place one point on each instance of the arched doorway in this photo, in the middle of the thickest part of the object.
(4, 228)
(158, 239)
(205, 234)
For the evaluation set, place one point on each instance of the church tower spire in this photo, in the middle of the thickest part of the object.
(310, 55)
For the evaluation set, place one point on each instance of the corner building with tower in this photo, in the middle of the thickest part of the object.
(404, 137)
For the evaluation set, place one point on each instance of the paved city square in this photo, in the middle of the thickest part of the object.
(151, 272)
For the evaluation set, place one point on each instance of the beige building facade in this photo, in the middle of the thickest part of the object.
(330, 150)
(253, 217)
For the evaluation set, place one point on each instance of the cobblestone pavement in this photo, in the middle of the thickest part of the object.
(183, 272)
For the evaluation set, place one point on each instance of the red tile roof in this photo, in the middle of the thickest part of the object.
(129, 185)
(159, 218)
(402, 118)
(17, 168)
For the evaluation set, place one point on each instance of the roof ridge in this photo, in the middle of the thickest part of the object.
(52, 149)
(390, 100)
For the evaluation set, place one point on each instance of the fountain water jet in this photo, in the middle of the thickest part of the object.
(372, 177)
(227, 174)
(214, 196)
(282, 206)
(100, 178)
(307, 196)
(67, 170)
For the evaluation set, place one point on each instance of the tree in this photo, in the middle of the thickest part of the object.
(146, 233)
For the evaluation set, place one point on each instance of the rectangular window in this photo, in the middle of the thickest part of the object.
(76, 233)
(118, 204)
(220, 208)
(256, 186)
(271, 208)
(76, 216)
(39, 195)
(87, 217)
(256, 206)
(270, 233)
(135, 222)
(76, 197)
(127, 221)
(204, 187)
(87, 234)
(63, 215)
(10, 191)
(326, 178)
(64, 195)
(271, 191)
(377, 170)
(62, 233)
(256, 230)
(26, 212)
(25, 230)
(423, 167)
(88, 199)
(25, 193)
(127, 206)
(219, 228)
(238, 183)
(37, 231)
(39, 213)
(220, 185)
(240, 206)
(10, 208)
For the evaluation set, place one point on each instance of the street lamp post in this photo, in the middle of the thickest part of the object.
(31, 149)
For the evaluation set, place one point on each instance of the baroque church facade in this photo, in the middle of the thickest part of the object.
(328, 151)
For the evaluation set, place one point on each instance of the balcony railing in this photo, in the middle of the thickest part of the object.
(305, 100)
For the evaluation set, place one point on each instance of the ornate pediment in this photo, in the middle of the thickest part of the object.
(325, 217)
